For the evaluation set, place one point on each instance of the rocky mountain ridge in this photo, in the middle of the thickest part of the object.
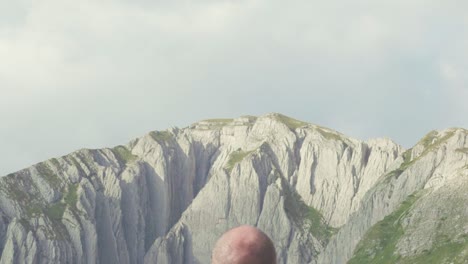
(167, 196)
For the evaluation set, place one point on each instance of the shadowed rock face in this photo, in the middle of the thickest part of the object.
(168, 196)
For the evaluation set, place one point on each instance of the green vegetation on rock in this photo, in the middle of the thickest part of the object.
(23, 191)
(454, 252)
(48, 174)
(329, 135)
(161, 136)
(55, 211)
(407, 161)
(124, 154)
(379, 243)
(236, 157)
(303, 215)
(85, 157)
(430, 142)
(292, 123)
(33, 210)
(428, 139)
(25, 223)
(56, 231)
(75, 162)
(9, 185)
(318, 227)
(71, 198)
(55, 162)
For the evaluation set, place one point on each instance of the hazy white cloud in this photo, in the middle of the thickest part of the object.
(455, 82)
(97, 73)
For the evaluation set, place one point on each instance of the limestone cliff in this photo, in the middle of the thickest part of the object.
(167, 196)
(416, 213)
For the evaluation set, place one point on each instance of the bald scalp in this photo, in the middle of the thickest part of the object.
(244, 245)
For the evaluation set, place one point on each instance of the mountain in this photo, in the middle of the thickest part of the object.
(166, 197)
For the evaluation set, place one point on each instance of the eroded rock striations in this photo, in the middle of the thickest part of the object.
(166, 197)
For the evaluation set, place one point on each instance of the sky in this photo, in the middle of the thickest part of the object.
(93, 74)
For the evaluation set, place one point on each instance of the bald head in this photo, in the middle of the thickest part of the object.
(244, 245)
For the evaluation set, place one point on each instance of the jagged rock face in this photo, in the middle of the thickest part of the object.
(167, 197)
(416, 199)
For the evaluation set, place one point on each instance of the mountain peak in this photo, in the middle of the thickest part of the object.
(248, 120)
(166, 197)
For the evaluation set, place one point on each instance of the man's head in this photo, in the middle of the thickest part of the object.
(244, 245)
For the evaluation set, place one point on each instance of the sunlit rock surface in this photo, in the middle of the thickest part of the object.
(167, 196)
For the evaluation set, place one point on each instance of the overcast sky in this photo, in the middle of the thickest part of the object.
(76, 74)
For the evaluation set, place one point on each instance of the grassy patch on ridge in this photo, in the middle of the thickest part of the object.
(124, 154)
(329, 135)
(379, 243)
(161, 136)
(443, 252)
(430, 142)
(292, 123)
